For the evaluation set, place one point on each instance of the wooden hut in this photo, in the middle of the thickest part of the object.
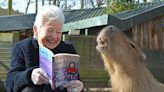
(143, 25)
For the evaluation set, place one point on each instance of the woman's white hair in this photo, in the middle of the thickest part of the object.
(51, 12)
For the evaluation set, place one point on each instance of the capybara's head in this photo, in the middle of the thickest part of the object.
(115, 46)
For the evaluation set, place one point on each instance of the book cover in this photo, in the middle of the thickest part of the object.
(60, 68)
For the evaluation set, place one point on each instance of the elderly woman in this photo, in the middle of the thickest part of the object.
(25, 69)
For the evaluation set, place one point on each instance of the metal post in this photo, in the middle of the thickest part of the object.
(86, 32)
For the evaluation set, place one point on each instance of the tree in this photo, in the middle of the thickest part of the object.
(5, 12)
(119, 6)
(42, 2)
(56, 2)
(63, 4)
(28, 2)
(100, 2)
(81, 4)
(94, 3)
(3, 3)
(36, 6)
(7, 3)
(69, 4)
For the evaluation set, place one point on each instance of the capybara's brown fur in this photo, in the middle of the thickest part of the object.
(124, 62)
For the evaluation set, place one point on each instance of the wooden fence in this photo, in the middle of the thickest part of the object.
(5, 58)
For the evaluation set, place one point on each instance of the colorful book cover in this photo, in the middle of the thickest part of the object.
(60, 68)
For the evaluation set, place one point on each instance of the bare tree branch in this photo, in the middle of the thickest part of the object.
(54, 2)
(3, 3)
(28, 3)
(92, 3)
(100, 3)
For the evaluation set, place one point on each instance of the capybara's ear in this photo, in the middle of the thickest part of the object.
(138, 51)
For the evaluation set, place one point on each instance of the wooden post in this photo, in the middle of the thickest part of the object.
(86, 32)
(82, 4)
(36, 6)
(9, 6)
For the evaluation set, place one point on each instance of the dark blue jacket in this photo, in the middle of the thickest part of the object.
(25, 58)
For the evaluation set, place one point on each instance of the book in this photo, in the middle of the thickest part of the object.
(60, 68)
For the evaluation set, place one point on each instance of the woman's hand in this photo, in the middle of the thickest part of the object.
(74, 86)
(39, 77)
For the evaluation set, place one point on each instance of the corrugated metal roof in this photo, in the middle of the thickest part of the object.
(81, 14)
(147, 4)
(137, 16)
(21, 22)
(122, 20)
(132, 13)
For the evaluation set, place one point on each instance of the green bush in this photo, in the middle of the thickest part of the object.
(117, 6)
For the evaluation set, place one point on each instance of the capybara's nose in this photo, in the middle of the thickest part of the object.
(100, 41)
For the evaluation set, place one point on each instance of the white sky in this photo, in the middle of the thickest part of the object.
(20, 5)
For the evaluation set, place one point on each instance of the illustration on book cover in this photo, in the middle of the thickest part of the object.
(65, 70)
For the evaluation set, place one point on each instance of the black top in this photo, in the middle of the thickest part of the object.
(25, 58)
